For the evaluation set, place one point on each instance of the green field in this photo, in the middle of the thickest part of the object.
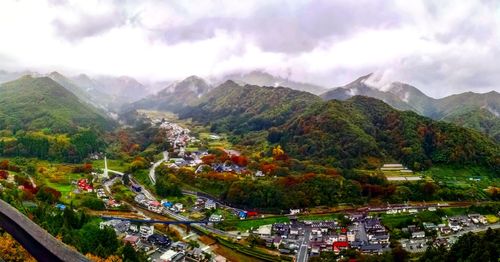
(314, 217)
(470, 178)
(247, 224)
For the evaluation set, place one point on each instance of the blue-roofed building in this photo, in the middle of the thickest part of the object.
(61, 206)
(168, 204)
(242, 214)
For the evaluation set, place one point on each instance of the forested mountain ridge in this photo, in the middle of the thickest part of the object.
(248, 108)
(341, 133)
(33, 103)
(472, 110)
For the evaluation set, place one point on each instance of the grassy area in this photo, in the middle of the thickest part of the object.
(492, 219)
(247, 224)
(249, 251)
(397, 220)
(215, 143)
(455, 211)
(313, 217)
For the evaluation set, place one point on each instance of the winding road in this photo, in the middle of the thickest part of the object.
(152, 175)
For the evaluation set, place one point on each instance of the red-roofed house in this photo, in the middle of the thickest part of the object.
(340, 245)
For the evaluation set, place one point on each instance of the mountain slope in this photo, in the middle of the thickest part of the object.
(360, 87)
(260, 78)
(175, 96)
(111, 93)
(30, 103)
(462, 109)
(341, 133)
(244, 108)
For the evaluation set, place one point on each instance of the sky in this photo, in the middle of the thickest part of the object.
(441, 47)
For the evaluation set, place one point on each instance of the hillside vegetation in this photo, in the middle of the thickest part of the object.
(341, 133)
(471, 110)
(32, 103)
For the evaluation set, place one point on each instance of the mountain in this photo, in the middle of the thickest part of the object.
(480, 119)
(111, 92)
(246, 108)
(175, 96)
(342, 133)
(466, 109)
(31, 103)
(260, 78)
(360, 87)
(82, 94)
(124, 87)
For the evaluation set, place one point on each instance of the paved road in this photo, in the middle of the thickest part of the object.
(302, 255)
(362, 233)
(152, 175)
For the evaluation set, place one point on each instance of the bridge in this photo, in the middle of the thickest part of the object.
(151, 221)
(38, 242)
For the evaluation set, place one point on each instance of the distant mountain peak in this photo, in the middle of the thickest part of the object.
(263, 78)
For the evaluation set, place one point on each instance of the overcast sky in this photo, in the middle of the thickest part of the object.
(441, 47)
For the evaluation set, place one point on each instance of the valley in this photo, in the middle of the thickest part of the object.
(248, 165)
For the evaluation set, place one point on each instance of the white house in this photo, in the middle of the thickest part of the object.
(146, 231)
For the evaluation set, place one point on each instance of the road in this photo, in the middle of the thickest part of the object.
(152, 175)
(362, 233)
(302, 255)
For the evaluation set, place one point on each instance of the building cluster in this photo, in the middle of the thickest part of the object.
(109, 201)
(366, 234)
(156, 245)
(84, 185)
(177, 135)
(159, 207)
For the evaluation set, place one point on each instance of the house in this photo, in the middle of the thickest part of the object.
(159, 240)
(119, 226)
(84, 185)
(264, 231)
(476, 219)
(429, 226)
(277, 241)
(351, 236)
(133, 228)
(220, 258)
(196, 253)
(294, 211)
(178, 206)
(168, 256)
(146, 231)
(372, 249)
(154, 206)
(215, 218)
(340, 245)
(139, 198)
(445, 230)
(380, 238)
(167, 204)
(259, 174)
(454, 225)
(242, 214)
(132, 240)
(210, 204)
(418, 234)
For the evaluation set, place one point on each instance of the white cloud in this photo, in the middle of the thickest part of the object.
(439, 46)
